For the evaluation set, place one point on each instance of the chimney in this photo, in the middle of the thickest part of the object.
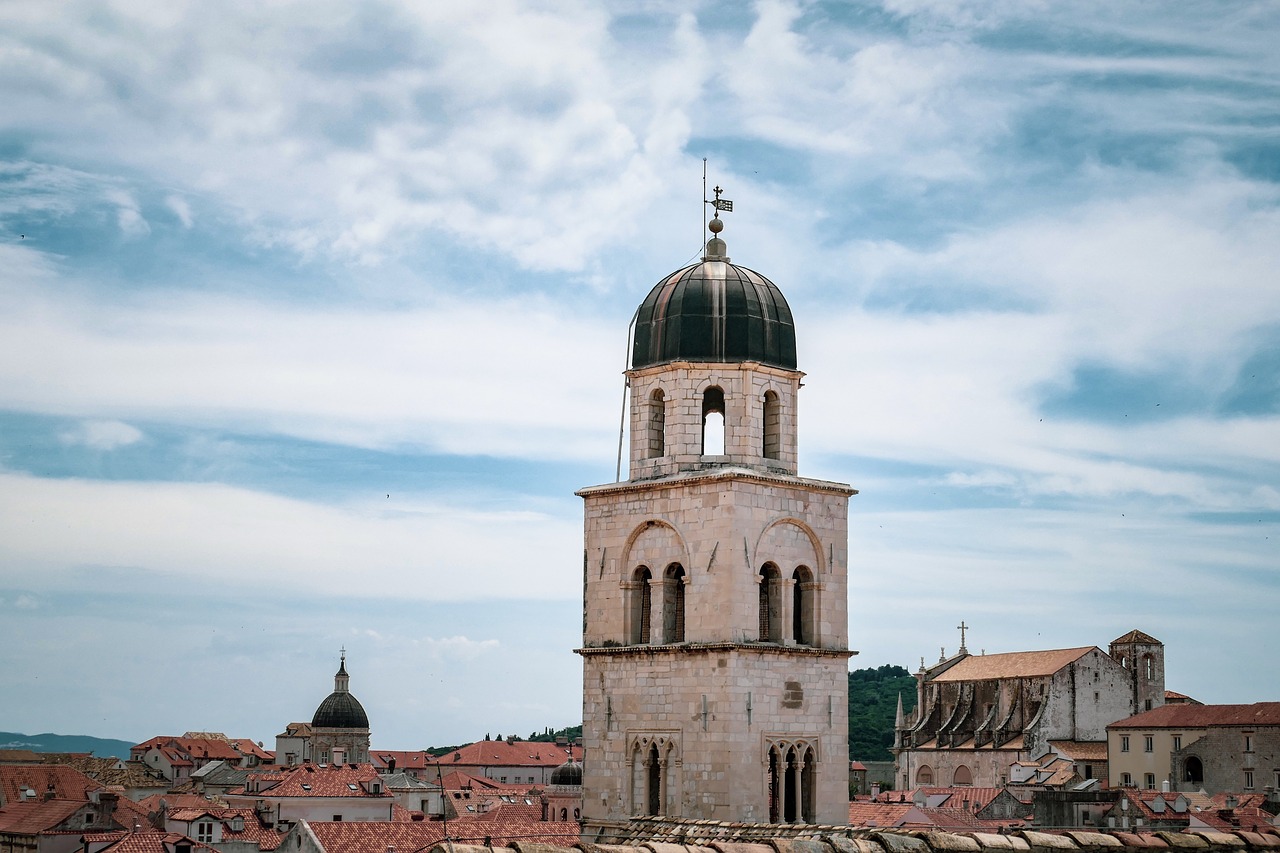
(50, 792)
(875, 790)
(1164, 786)
(391, 764)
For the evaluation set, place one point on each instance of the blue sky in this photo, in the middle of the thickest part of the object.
(313, 316)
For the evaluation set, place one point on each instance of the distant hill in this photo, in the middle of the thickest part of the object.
(48, 742)
(873, 703)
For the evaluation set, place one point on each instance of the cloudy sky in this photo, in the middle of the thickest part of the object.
(313, 316)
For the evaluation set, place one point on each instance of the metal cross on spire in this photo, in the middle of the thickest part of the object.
(963, 627)
(721, 203)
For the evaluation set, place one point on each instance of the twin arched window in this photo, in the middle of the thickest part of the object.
(641, 605)
(803, 617)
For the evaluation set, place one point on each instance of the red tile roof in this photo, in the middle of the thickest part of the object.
(35, 816)
(155, 842)
(1203, 716)
(405, 759)
(500, 753)
(66, 783)
(865, 813)
(1012, 665)
(363, 836)
(313, 780)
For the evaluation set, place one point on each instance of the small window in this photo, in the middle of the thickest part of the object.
(713, 422)
(1177, 742)
(1150, 781)
(1124, 743)
(352, 786)
(1248, 743)
(1148, 743)
(1126, 780)
(337, 818)
(306, 786)
(1248, 780)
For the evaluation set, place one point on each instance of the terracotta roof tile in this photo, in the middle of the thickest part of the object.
(155, 842)
(863, 813)
(67, 783)
(500, 753)
(1182, 716)
(36, 816)
(313, 780)
(361, 837)
(1012, 665)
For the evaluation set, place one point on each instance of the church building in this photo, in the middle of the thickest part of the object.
(338, 732)
(715, 636)
(979, 718)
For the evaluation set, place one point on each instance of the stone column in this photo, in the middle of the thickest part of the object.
(797, 790)
(786, 594)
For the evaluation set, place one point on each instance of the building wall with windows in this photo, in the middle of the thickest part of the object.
(1216, 748)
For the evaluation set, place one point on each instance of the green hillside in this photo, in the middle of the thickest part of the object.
(48, 742)
(873, 703)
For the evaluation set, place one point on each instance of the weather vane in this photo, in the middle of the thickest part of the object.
(721, 203)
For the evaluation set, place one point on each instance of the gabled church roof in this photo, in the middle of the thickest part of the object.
(1136, 636)
(1012, 665)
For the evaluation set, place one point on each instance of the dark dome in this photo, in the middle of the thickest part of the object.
(715, 311)
(569, 773)
(340, 711)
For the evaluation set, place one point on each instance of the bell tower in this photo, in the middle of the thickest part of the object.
(715, 636)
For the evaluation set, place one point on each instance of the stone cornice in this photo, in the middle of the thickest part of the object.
(709, 648)
(686, 478)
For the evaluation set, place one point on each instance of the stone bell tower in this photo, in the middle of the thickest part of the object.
(715, 637)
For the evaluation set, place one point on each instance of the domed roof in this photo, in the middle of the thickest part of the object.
(714, 311)
(340, 710)
(569, 773)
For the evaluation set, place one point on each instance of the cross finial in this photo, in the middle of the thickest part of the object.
(721, 203)
(963, 627)
(343, 652)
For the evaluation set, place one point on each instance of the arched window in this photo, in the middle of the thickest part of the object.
(792, 783)
(962, 776)
(653, 782)
(713, 422)
(803, 616)
(577, 814)
(770, 609)
(657, 425)
(924, 776)
(673, 604)
(564, 814)
(1193, 770)
(640, 592)
(772, 426)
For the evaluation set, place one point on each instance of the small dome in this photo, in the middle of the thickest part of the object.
(340, 711)
(569, 773)
(715, 311)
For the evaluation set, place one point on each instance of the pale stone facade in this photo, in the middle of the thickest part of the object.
(715, 638)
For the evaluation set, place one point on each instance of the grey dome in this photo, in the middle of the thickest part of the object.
(569, 773)
(715, 311)
(340, 711)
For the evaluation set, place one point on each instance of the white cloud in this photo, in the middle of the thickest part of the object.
(129, 216)
(103, 435)
(181, 209)
(57, 531)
